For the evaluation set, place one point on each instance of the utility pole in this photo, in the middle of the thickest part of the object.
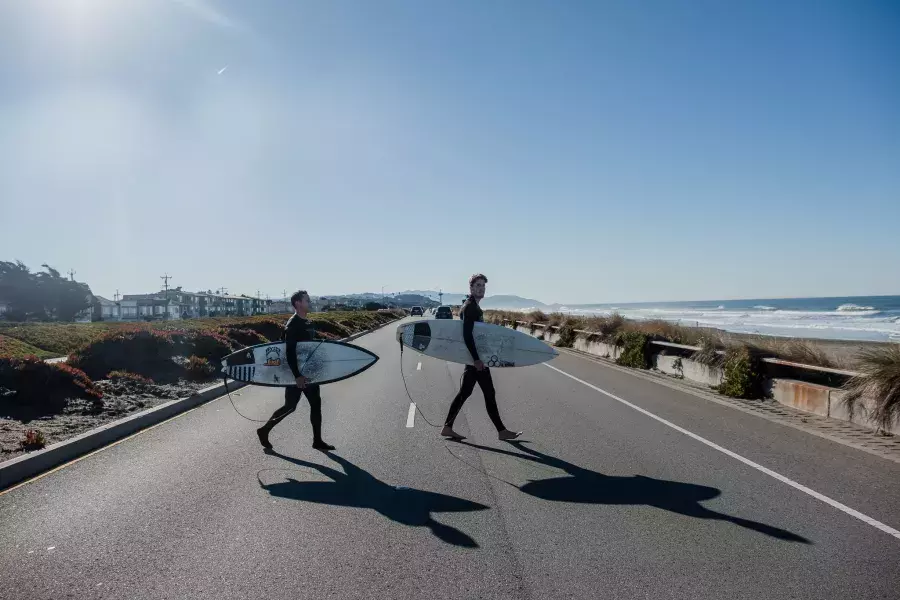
(71, 274)
(441, 296)
(166, 279)
(116, 295)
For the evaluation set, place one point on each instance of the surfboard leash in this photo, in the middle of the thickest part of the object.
(409, 396)
(230, 399)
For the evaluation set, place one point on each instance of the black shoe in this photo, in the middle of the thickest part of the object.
(321, 445)
(264, 438)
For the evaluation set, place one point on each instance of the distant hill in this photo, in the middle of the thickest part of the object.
(429, 298)
(509, 302)
(501, 301)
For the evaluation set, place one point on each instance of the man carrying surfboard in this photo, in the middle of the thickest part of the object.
(470, 313)
(297, 329)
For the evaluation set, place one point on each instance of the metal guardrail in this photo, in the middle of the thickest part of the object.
(773, 361)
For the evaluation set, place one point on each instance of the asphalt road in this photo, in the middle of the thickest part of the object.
(601, 501)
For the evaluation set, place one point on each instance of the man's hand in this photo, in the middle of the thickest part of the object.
(479, 366)
(301, 382)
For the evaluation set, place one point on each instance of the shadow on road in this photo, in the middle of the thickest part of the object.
(589, 487)
(357, 488)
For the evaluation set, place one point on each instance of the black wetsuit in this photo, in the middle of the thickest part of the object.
(470, 314)
(298, 329)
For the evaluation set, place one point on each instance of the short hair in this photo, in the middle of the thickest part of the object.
(475, 278)
(298, 296)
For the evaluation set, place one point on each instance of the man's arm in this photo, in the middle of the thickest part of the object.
(290, 340)
(468, 337)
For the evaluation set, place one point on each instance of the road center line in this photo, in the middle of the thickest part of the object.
(419, 367)
(841, 507)
(411, 417)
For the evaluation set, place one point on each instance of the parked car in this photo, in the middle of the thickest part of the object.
(416, 311)
(443, 312)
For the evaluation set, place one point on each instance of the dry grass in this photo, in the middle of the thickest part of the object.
(60, 339)
(799, 351)
(708, 354)
(607, 328)
(880, 381)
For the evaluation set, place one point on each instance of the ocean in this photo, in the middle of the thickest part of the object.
(869, 318)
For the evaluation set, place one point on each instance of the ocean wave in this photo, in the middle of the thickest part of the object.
(854, 308)
(763, 307)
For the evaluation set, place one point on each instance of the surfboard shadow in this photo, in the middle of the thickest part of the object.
(357, 488)
(590, 487)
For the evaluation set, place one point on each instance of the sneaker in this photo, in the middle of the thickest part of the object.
(321, 445)
(507, 435)
(447, 431)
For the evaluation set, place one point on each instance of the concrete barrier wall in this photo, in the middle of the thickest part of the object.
(690, 370)
(808, 397)
(821, 400)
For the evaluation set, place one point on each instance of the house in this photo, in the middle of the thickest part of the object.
(276, 307)
(105, 309)
(135, 309)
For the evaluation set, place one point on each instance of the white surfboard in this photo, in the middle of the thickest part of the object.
(319, 361)
(497, 346)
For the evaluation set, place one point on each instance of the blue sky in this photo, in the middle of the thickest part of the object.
(575, 152)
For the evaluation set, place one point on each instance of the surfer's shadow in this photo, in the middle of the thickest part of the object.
(357, 488)
(580, 485)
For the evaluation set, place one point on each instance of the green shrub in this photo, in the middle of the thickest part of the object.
(707, 354)
(269, 328)
(34, 440)
(199, 368)
(634, 349)
(41, 388)
(241, 337)
(742, 374)
(137, 351)
(10, 346)
(125, 376)
(879, 380)
(678, 365)
(567, 334)
(210, 345)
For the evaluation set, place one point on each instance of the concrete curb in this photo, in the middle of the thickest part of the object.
(34, 463)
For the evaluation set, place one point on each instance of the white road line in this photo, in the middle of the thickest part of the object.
(411, 417)
(419, 367)
(841, 507)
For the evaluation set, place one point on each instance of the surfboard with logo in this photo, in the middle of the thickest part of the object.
(497, 346)
(320, 362)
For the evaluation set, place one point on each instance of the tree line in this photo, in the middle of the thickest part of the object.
(40, 296)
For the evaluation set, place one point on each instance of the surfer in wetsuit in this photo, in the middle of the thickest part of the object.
(480, 374)
(297, 329)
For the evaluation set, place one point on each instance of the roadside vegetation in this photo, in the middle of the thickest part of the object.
(114, 369)
(738, 356)
(879, 380)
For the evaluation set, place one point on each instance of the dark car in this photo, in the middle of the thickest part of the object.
(416, 311)
(443, 312)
